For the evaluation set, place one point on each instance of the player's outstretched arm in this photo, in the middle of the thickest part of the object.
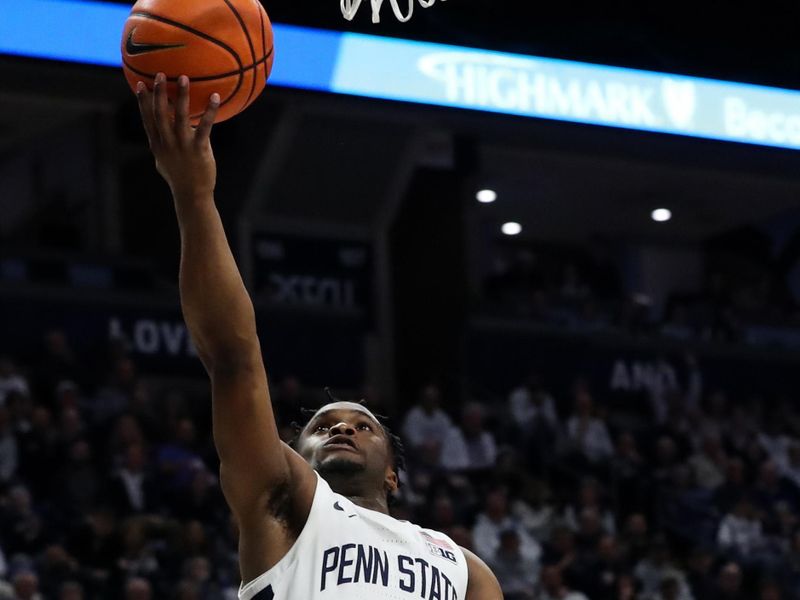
(216, 306)
(482, 584)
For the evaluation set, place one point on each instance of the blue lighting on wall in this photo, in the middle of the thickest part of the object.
(442, 75)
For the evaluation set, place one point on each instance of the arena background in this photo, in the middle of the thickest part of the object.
(617, 414)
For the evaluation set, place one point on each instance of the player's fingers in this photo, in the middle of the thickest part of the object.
(182, 127)
(146, 111)
(161, 110)
(207, 120)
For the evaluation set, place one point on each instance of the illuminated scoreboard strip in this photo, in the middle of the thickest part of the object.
(442, 75)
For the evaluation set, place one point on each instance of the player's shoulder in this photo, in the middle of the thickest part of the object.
(481, 582)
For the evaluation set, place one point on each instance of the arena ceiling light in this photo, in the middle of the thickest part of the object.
(661, 215)
(486, 196)
(511, 228)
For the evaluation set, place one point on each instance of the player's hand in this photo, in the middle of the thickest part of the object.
(183, 153)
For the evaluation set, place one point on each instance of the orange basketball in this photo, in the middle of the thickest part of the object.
(223, 46)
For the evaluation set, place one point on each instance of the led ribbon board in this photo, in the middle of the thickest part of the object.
(452, 76)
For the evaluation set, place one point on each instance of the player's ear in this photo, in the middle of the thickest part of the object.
(390, 481)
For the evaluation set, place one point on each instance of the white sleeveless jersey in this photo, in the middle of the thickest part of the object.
(346, 552)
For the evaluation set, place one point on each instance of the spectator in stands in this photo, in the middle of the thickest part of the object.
(552, 586)
(534, 509)
(470, 447)
(71, 590)
(715, 416)
(22, 527)
(26, 586)
(496, 518)
(531, 402)
(627, 588)
(141, 409)
(95, 543)
(11, 380)
(197, 570)
(588, 431)
(657, 566)
(55, 567)
(443, 517)
(3, 566)
(202, 500)
(666, 459)
(187, 590)
(138, 588)
(9, 452)
(561, 551)
(708, 465)
(71, 427)
(115, 396)
(685, 509)
(770, 590)
(426, 425)
(627, 471)
(590, 530)
(138, 557)
(536, 422)
(177, 460)
(597, 571)
(773, 439)
(771, 490)
(729, 583)
(699, 575)
(636, 537)
(740, 531)
(680, 427)
(57, 362)
(132, 489)
(125, 433)
(670, 589)
(733, 488)
(38, 451)
(517, 574)
(590, 497)
(78, 481)
(791, 468)
(740, 430)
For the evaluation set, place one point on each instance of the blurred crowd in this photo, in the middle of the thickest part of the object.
(109, 487)
(746, 295)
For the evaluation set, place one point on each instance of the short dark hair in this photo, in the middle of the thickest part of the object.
(395, 442)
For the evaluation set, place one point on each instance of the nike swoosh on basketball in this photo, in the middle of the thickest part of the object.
(134, 48)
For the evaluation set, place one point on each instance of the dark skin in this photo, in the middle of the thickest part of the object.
(268, 486)
(362, 473)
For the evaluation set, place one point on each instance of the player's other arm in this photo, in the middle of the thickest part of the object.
(217, 308)
(482, 584)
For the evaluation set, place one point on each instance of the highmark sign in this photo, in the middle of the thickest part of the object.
(568, 91)
(451, 76)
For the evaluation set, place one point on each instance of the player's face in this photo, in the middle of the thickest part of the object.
(344, 436)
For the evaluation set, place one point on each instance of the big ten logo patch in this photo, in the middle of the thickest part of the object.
(440, 548)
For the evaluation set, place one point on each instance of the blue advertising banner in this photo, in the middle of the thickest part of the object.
(319, 349)
(442, 75)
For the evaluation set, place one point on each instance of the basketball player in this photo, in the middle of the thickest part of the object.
(314, 521)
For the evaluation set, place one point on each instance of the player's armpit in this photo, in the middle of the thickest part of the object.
(482, 584)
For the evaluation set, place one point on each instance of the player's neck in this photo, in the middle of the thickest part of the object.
(355, 489)
(377, 504)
